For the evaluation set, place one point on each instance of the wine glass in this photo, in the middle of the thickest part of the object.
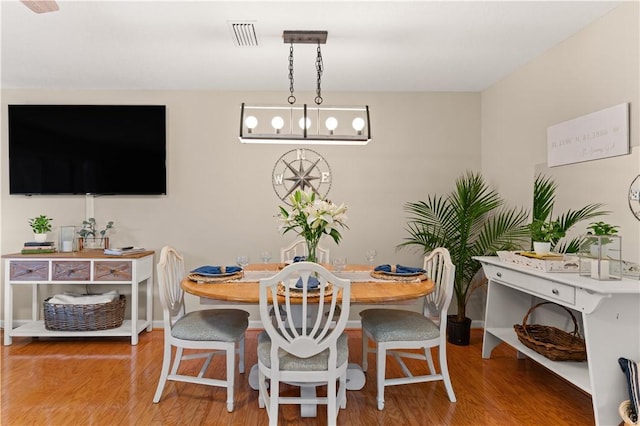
(370, 255)
(339, 263)
(266, 256)
(242, 260)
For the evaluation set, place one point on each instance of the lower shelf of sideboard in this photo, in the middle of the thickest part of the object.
(574, 372)
(37, 329)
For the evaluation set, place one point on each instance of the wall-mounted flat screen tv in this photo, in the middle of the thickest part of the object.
(87, 149)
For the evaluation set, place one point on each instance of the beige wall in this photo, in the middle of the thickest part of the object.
(220, 201)
(595, 69)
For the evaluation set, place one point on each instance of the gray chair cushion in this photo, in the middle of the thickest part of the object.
(224, 325)
(389, 325)
(317, 362)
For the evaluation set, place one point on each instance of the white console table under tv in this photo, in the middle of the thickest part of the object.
(86, 268)
(609, 313)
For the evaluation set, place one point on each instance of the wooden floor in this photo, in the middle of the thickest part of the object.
(109, 382)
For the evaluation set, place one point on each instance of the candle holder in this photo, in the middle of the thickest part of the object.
(601, 257)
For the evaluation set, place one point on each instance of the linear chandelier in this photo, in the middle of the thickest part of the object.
(305, 124)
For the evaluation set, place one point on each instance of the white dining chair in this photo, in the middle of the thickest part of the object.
(303, 348)
(394, 330)
(299, 248)
(217, 331)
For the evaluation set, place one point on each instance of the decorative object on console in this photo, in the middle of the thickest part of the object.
(601, 252)
(470, 221)
(286, 124)
(543, 233)
(67, 238)
(311, 218)
(36, 247)
(40, 226)
(92, 238)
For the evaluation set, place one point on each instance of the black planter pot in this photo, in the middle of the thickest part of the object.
(458, 332)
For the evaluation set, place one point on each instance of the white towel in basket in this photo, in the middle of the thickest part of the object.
(85, 299)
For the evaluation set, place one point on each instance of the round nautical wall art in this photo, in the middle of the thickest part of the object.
(302, 169)
(634, 197)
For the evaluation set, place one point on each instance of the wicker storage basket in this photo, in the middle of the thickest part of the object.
(86, 317)
(553, 343)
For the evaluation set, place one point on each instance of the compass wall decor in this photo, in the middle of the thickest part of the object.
(301, 169)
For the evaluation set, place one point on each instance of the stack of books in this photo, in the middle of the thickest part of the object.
(34, 247)
(123, 251)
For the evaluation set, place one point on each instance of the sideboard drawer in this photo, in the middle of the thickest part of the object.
(112, 271)
(30, 270)
(548, 289)
(71, 270)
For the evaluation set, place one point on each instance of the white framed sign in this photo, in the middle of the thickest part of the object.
(601, 134)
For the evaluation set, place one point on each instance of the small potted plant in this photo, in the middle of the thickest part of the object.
(544, 233)
(40, 226)
(91, 237)
(600, 254)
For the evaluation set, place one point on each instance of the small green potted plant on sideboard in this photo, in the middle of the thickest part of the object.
(600, 252)
(543, 233)
(91, 237)
(40, 226)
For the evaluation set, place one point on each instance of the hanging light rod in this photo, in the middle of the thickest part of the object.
(305, 124)
(305, 37)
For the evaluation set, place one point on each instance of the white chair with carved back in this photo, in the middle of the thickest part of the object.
(299, 248)
(394, 330)
(217, 331)
(303, 348)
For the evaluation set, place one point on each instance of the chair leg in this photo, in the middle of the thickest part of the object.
(343, 391)
(231, 358)
(429, 358)
(164, 373)
(274, 399)
(332, 400)
(381, 363)
(241, 355)
(262, 390)
(445, 371)
(365, 350)
(176, 361)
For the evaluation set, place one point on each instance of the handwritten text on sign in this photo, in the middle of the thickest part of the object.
(593, 136)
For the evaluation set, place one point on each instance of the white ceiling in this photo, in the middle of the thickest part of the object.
(371, 46)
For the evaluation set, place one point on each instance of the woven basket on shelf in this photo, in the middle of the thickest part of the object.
(553, 343)
(87, 317)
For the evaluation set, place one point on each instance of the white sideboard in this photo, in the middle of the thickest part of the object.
(609, 313)
(86, 268)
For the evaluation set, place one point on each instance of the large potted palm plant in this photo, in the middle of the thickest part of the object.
(470, 221)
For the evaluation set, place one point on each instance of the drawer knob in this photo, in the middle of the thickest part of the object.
(555, 291)
(499, 274)
(112, 271)
(29, 271)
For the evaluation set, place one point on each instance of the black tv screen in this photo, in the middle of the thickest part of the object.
(87, 149)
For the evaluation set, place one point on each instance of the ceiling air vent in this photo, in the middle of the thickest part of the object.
(243, 33)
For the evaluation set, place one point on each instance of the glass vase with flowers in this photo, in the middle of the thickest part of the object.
(311, 217)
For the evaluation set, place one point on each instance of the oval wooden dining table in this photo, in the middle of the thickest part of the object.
(364, 290)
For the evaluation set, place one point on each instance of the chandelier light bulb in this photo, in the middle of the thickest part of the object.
(302, 123)
(277, 123)
(251, 122)
(358, 125)
(331, 124)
